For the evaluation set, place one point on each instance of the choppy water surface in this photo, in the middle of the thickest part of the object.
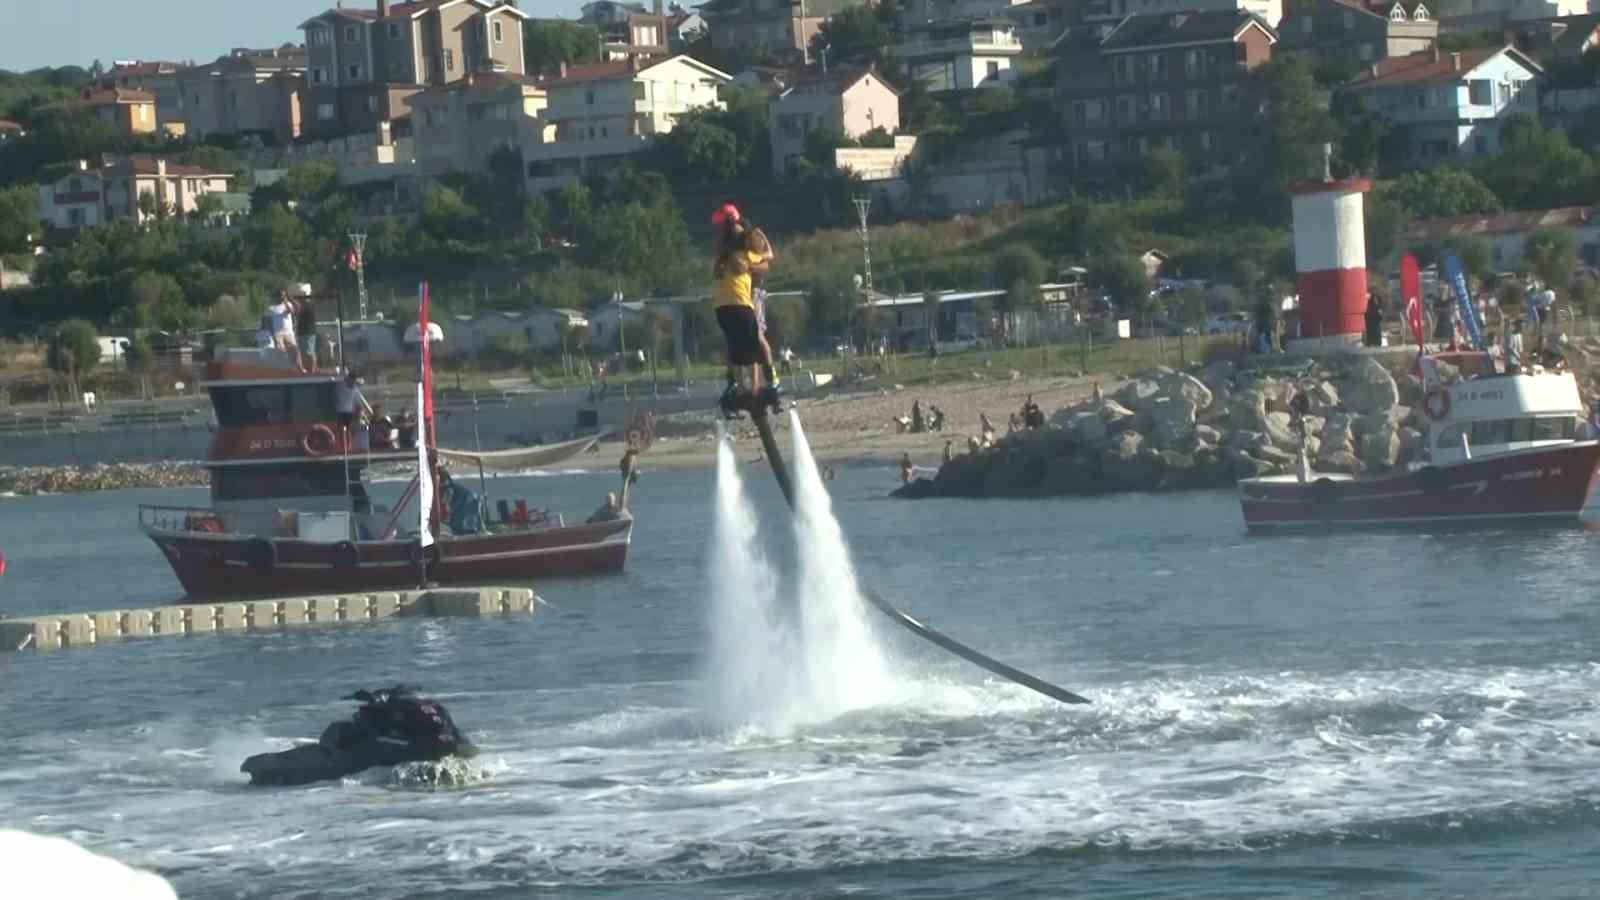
(1387, 714)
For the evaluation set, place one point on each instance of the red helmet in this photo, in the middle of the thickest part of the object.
(725, 213)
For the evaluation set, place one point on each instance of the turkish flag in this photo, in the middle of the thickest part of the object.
(1414, 318)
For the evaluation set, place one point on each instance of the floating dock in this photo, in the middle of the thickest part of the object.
(85, 629)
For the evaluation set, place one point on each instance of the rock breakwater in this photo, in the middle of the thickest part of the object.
(28, 480)
(1201, 428)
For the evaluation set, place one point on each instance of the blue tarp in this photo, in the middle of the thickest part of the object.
(1469, 310)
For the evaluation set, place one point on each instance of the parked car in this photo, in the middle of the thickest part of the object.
(1228, 323)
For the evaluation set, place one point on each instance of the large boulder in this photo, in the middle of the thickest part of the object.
(1070, 475)
(1139, 392)
(1410, 387)
(1278, 394)
(1280, 433)
(1338, 460)
(1380, 448)
(1218, 377)
(1248, 410)
(1338, 433)
(1085, 427)
(1186, 386)
(1118, 418)
(1243, 465)
(1130, 464)
(1323, 397)
(1171, 420)
(1371, 388)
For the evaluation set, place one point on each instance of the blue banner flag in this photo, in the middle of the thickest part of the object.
(1469, 310)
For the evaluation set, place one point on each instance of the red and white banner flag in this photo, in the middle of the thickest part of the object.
(425, 414)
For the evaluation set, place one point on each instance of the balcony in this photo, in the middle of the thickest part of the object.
(981, 43)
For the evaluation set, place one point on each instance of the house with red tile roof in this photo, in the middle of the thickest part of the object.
(1507, 233)
(1344, 36)
(1449, 107)
(116, 188)
(598, 115)
(158, 77)
(128, 110)
(850, 102)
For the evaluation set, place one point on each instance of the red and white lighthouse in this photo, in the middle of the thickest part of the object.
(1330, 261)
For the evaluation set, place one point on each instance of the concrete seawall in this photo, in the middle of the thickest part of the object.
(53, 632)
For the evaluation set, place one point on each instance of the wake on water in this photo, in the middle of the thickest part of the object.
(787, 655)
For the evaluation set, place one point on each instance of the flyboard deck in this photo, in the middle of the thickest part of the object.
(780, 470)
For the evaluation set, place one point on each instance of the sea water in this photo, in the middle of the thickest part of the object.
(1388, 714)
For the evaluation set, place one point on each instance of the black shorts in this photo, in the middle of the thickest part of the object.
(739, 327)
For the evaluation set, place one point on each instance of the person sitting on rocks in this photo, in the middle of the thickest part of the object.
(917, 424)
(972, 444)
(1014, 423)
(1099, 395)
(1032, 415)
(906, 468)
(935, 418)
(986, 429)
(949, 451)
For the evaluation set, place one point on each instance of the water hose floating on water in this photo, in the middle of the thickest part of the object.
(780, 470)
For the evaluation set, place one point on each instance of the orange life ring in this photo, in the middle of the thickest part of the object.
(1436, 403)
(319, 441)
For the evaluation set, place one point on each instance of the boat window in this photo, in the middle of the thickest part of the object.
(299, 404)
(1521, 430)
(1491, 431)
(266, 482)
(1555, 428)
(1450, 437)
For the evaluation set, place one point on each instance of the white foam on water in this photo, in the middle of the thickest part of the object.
(39, 866)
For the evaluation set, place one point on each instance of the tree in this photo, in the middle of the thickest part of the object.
(207, 207)
(1474, 253)
(311, 181)
(877, 137)
(1158, 172)
(158, 302)
(640, 241)
(1124, 278)
(1019, 270)
(447, 216)
(821, 144)
(1538, 168)
(1440, 193)
(19, 217)
(1551, 255)
(698, 149)
(74, 349)
(277, 241)
(854, 34)
(1285, 142)
(547, 43)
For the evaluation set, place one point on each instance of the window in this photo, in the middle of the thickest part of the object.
(352, 34)
(273, 405)
(1480, 146)
(394, 31)
(588, 97)
(1205, 140)
(499, 33)
(1397, 14)
(1559, 428)
(264, 482)
(233, 99)
(319, 75)
(353, 71)
(1158, 107)
(1040, 20)
(603, 131)
(317, 37)
(449, 60)
(1124, 109)
(1492, 431)
(197, 99)
(1123, 70)
(993, 70)
(1307, 24)
(1157, 65)
(1365, 53)
(372, 103)
(324, 111)
(1420, 14)
(1450, 438)
(1197, 104)
(74, 217)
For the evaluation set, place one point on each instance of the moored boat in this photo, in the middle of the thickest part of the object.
(1498, 447)
(291, 511)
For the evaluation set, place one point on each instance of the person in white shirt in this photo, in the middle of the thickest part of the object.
(282, 318)
(1514, 348)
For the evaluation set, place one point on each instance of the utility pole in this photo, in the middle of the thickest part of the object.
(358, 240)
(863, 205)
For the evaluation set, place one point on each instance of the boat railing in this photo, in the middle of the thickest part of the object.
(283, 523)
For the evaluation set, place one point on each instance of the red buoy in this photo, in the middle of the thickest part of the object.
(2, 562)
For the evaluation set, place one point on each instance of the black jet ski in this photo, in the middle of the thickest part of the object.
(393, 726)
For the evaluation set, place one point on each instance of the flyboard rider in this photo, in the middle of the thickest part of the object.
(743, 257)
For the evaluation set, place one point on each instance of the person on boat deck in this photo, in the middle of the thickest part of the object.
(609, 511)
(1514, 352)
(464, 508)
(407, 431)
(736, 312)
(305, 326)
(282, 317)
(264, 333)
(348, 401)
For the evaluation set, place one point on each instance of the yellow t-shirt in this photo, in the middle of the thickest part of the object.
(733, 288)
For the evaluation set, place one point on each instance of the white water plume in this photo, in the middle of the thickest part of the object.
(749, 662)
(845, 665)
(785, 656)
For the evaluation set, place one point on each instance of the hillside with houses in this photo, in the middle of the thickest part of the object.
(1059, 161)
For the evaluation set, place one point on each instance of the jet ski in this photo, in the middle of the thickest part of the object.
(393, 726)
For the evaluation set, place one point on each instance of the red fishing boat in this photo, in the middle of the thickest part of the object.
(291, 511)
(1499, 447)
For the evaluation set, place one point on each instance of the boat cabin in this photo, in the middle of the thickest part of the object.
(1488, 412)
